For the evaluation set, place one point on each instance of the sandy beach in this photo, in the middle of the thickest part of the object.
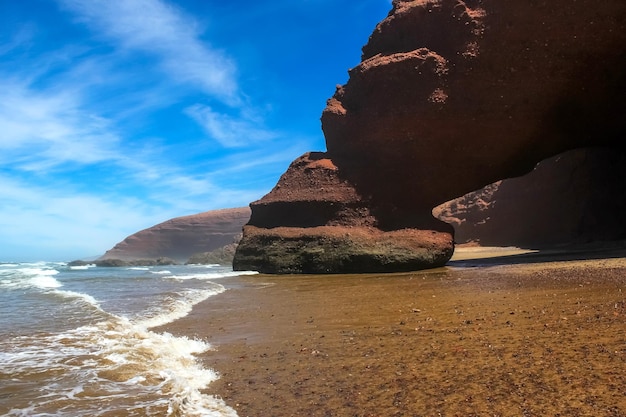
(536, 334)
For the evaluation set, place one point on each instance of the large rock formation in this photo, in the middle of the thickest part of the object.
(315, 221)
(182, 237)
(450, 96)
(573, 198)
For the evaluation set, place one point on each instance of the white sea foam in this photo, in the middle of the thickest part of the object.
(35, 271)
(161, 272)
(23, 278)
(177, 308)
(119, 362)
(115, 365)
(212, 275)
(138, 268)
(81, 267)
(45, 282)
(86, 298)
(136, 380)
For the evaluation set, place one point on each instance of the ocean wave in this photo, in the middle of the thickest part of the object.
(45, 282)
(86, 344)
(115, 365)
(42, 279)
(86, 298)
(24, 278)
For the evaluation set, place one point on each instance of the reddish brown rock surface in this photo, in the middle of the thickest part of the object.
(314, 221)
(573, 198)
(450, 96)
(181, 237)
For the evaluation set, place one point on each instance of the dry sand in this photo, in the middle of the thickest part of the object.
(527, 335)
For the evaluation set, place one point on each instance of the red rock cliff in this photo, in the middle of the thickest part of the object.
(450, 96)
(181, 237)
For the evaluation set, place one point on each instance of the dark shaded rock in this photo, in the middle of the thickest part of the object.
(450, 96)
(181, 237)
(425, 118)
(111, 263)
(220, 256)
(79, 262)
(576, 197)
(134, 262)
(337, 249)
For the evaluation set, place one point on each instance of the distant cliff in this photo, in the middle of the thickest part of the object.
(182, 237)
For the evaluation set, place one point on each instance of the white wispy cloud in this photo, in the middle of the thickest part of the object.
(56, 221)
(167, 33)
(161, 30)
(229, 131)
(52, 127)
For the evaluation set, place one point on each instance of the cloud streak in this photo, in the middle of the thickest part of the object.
(230, 132)
(52, 127)
(165, 32)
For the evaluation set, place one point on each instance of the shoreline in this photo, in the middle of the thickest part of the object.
(527, 338)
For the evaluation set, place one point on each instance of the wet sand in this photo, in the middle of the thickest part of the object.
(540, 335)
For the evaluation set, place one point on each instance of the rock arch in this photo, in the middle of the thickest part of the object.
(450, 96)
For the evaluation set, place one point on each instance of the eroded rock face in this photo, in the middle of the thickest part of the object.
(450, 96)
(507, 85)
(182, 237)
(314, 221)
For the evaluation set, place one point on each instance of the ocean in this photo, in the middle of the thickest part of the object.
(77, 340)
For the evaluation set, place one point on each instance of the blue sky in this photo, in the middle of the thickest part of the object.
(116, 115)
